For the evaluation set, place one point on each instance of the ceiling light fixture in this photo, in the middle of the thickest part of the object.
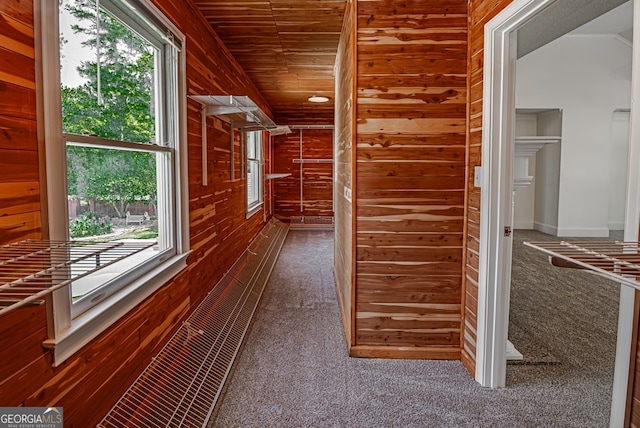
(318, 99)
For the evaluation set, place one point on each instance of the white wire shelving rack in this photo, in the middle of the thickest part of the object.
(615, 260)
(31, 269)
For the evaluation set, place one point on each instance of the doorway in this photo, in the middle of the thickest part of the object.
(496, 209)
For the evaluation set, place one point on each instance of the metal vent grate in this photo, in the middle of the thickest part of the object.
(181, 385)
(619, 261)
(311, 222)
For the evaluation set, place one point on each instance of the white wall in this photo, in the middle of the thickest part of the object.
(618, 169)
(526, 125)
(547, 193)
(587, 77)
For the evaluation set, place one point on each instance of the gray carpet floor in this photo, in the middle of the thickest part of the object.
(294, 371)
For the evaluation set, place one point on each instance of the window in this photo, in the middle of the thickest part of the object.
(116, 129)
(254, 171)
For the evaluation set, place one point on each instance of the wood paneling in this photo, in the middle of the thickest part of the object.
(480, 12)
(432, 352)
(317, 178)
(287, 47)
(344, 158)
(19, 179)
(90, 382)
(410, 177)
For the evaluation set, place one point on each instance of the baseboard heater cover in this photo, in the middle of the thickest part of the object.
(311, 223)
(181, 385)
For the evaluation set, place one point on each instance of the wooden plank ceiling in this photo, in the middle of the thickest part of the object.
(288, 48)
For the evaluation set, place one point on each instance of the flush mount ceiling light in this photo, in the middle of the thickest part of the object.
(318, 99)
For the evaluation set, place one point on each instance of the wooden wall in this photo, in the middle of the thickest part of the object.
(317, 179)
(410, 173)
(480, 12)
(19, 186)
(345, 132)
(90, 382)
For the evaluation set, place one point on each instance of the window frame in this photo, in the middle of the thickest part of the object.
(254, 206)
(114, 285)
(66, 333)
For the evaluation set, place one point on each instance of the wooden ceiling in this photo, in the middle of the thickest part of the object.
(288, 48)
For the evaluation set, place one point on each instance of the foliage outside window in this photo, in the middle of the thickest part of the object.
(117, 97)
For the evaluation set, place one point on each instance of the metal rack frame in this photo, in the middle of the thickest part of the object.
(31, 269)
(615, 260)
(240, 112)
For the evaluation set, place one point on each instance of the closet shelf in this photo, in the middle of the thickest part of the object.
(31, 269)
(276, 175)
(538, 139)
(239, 111)
(313, 161)
(615, 260)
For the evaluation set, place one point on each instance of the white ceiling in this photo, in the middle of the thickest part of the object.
(616, 21)
(564, 16)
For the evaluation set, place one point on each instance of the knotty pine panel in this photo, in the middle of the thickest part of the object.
(317, 179)
(17, 10)
(19, 179)
(90, 382)
(288, 49)
(16, 100)
(16, 28)
(480, 12)
(344, 253)
(285, 148)
(410, 174)
(17, 134)
(406, 335)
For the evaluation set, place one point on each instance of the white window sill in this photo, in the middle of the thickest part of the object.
(91, 323)
(254, 209)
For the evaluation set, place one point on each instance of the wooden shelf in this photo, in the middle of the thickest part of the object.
(276, 175)
(313, 161)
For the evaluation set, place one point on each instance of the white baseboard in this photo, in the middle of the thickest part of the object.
(528, 225)
(616, 225)
(594, 232)
(545, 228)
(512, 353)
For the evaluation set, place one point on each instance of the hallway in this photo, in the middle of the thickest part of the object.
(294, 370)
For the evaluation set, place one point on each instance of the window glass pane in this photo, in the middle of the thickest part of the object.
(253, 169)
(252, 182)
(113, 196)
(112, 87)
(107, 74)
(251, 145)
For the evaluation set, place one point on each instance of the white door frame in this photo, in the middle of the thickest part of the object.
(495, 201)
(497, 186)
(631, 229)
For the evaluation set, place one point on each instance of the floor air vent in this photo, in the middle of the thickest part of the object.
(181, 385)
(311, 222)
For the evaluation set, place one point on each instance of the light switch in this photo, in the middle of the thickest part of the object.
(477, 176)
